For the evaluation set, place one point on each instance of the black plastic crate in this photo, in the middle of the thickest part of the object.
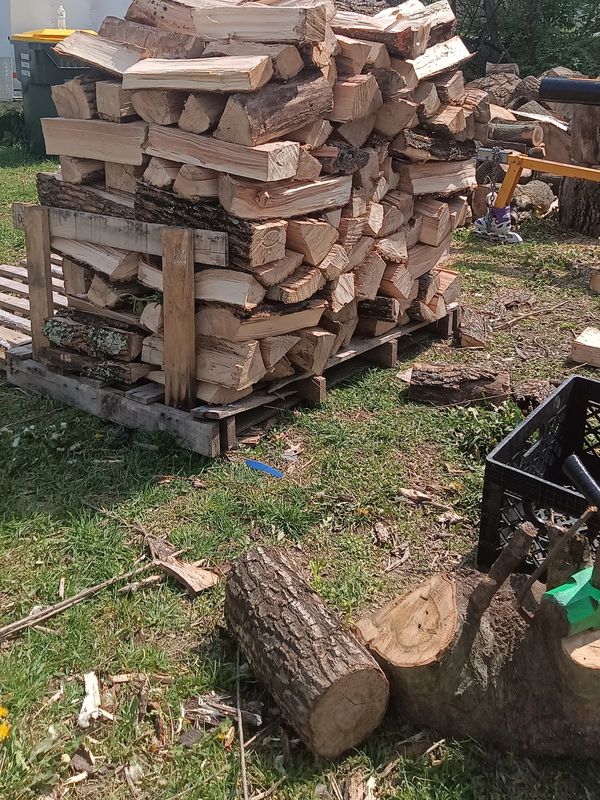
(524, 480)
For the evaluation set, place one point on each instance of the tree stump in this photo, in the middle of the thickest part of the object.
(329, 688)
(509, 678)
(579, 206)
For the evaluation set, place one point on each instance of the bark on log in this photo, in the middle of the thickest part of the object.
(250, 244)
(474, 329)
(489, 671)
(421, 147)
(327, 685)
(579, 204)
(78, 197)
(450, 384)
(585, 135)
(528, 132)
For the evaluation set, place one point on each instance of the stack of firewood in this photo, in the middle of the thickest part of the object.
(336, 150)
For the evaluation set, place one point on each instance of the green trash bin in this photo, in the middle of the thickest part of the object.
(38, 69)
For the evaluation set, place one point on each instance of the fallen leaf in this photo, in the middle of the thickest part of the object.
(82, 760)
(191, 737)
(228, 737)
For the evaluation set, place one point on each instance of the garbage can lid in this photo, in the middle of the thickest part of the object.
(50, 35)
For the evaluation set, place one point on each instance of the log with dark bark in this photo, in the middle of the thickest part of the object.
(340, 158)
(422, 147)
(250, 243)
(579, 204)
(327, 685)
(383, 308)
(449, 384)
(76, 332)
(110, 372)
(464, 659)
(56, 193)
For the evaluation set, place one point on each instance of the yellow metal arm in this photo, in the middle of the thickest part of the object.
(517, 163)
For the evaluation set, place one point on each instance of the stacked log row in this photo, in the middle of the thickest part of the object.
(334, 148)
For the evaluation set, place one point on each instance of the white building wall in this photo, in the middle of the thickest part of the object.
(17, 16)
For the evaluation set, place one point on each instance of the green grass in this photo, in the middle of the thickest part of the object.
(59, 467)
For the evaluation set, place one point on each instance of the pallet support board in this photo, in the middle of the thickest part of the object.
(211, 430)
(36, 224)
(115, 406)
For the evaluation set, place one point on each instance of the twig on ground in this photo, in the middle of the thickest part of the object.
(240, 725)
(63, 605)
(538, 312)
(268, 792)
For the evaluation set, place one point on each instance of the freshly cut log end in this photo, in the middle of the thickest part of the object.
(415, 629)
(327, 685)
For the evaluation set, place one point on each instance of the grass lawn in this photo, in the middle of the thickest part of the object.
(73, 488)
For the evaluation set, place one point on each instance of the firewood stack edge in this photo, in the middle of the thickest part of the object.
(335, 149)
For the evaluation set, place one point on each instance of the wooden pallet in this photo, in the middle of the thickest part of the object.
(212, 430)
(15, 323)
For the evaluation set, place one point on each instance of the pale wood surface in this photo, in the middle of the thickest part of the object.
(225, 74)
(95, 138)
(179, 310)
(37, 237)
(267, 162)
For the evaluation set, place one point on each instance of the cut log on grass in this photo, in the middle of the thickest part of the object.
(295, 25)
(464, 659)
(453, 384)
(586, 347)
(275, 110)
(97, 139)
(527, 132)
(93, 340)
(157, 43)
(159, 106)
(474, 329)
(76, 99)
(114, 102)
(287, 61)
(328, 687)
(274, 161)
(103, 54)
(579, 206)
(250, 200)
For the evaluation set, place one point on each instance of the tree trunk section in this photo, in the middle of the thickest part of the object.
(579, 204)
(585, 135)
(511, 679)
(528, 132)
(327, 685)
(78, 197)
(450, 384)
